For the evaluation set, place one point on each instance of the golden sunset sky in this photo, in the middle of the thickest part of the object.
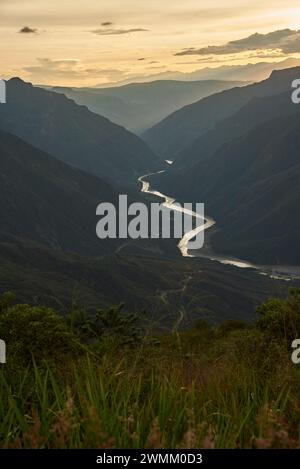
(94, 42)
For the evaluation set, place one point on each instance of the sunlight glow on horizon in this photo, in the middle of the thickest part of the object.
(70, 44)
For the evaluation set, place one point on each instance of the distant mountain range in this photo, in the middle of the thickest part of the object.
(138, 106)
(246, 169)
(56, 125)
(250, 72)
(257, 110)
(181, 129)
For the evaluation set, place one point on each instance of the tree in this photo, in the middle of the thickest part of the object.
(280, 318)
(37, 332)
(6, 300)
(113, 322)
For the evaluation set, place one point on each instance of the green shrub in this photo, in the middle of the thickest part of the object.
(6, 300)
(226, 387)
(230, 325)
(119, 326)
(280, 318)
(36, 332)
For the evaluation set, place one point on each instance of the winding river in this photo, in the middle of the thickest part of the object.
(286, 273)
(170, 203)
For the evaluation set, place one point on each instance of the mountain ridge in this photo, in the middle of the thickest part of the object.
(73, 134)
(138, 106)
(171, 136)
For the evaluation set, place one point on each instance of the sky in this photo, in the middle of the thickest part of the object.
(100, 42)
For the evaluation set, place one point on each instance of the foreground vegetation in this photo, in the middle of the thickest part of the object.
(102, 382)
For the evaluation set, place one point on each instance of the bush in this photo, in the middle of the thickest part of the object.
(36, 332)
(6, 300)
(280, 319)
(231, 325)
(117, 325)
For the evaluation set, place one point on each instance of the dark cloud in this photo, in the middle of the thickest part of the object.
(27, 30)
(142, 58)
(107, 23)
(285, 40)
(113, 31)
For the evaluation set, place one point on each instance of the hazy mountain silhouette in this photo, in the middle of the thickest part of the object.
(72, 133)
(256, 111)
(175, 133)
(138, 106)
(250, 72)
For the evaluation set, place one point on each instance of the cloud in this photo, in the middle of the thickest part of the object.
(113, 31)
(52, 69)
(266, 55)
(206, 60)
(71, 70)
(284, 41)
(155, 67)
(107, 23)
(27, 30)
(61, 64)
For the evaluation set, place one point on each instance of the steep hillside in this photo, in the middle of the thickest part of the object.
(250, 185)
(138, 106)
(255, 112)
(153, 287)
(75, 135)
(47, 201)
(179, 130)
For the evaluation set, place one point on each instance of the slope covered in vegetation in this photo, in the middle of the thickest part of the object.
(105, 383)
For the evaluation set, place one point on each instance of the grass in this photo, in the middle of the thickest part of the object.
(232, 386)
(137, 399)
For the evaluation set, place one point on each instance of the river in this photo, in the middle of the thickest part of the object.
(286, 273)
